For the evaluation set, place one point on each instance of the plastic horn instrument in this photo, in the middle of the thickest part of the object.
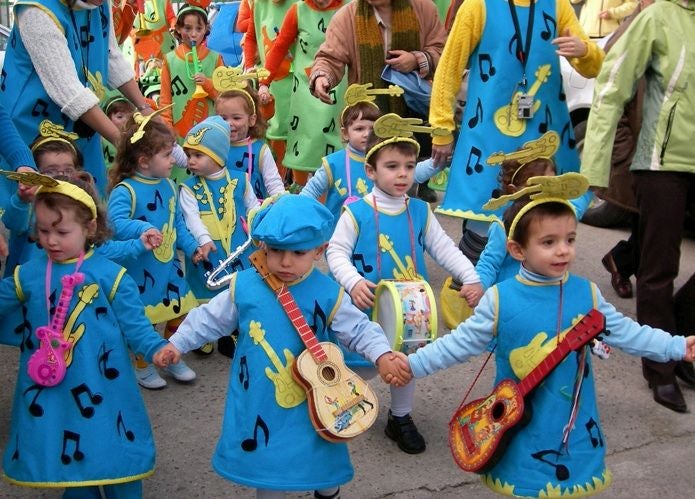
(142, 29)
(222, 274)
(194, 70)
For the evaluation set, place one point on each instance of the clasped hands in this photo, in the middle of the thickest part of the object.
(394, 368)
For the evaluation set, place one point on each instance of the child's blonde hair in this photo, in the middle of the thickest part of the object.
(251, 105)
(157, 137)
(58, 203)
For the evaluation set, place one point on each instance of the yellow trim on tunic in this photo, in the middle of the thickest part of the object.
(116, 283)
(43, 8)
(86, 483)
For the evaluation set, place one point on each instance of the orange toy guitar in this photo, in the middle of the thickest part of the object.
(341, 404)
(478, 430)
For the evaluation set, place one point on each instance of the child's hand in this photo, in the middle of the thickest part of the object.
(168, 354)
(202, 252)
(362, 295)
(570, 46)
(151, 238)
(472, 293)
(26, 192)
(200, 79)
(689, 349)
(394, 368)
(264, 94)
(4, 250)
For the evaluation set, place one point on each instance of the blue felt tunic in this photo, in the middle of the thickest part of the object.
(219, 201)
(336, 175)
(92, 428)
(140, 203)
(87, 34)
(238, 160)
(495, 72)
(265, 444)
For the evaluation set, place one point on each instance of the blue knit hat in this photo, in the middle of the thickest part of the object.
(211, 137)
(293, 222)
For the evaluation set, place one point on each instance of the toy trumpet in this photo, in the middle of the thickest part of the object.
(154, 16)
(194, 68)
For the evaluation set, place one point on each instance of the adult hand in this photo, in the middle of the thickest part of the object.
(570, 46)
(402, 61)
(441, 155)
(321, 88)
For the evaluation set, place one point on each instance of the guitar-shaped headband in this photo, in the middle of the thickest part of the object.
(49, 132)
(543, 147)
(231, 78)
(142, 121)
(364, 93)
(34, 179)
(392, 125)
(563, 187)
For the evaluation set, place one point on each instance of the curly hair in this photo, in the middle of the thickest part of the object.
(514, 173)
(257, 131)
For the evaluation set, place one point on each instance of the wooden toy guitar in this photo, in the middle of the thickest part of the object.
(341, 404)
(479, 430)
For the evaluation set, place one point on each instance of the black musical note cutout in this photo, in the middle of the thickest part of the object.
(3, 77)
(303, 44)
(94, 398)
(85, 36)
(548, 33)
(596, 441)
(566, 131)
(25, 330)
(120, 424)
(35, 409)
(322, 25)
(486, 73)
(295, 83)
(240, 163)
(514, 47)
(178, 86)
(333, 96)
(478, 118)
(364, 266)
(258, 189)
(157, 199)
(250, 444)
(173, 288)
(99, 311)
(110, 373)
(318, 320)
(244, 372)
(561, 471)
(77, 454)
(330, 127)
(295, 150)
(547, 120)
(177, 266)
(330, 149)
(477, 167)
(294, 122)
(104, 22)
(40, 108)
(146, 276)
(15, 454)
(107, 154)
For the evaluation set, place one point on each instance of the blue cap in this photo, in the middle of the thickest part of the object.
(293, 222)
(417, 91)
(211, 137)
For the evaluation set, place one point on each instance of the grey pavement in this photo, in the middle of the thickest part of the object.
(651, 449)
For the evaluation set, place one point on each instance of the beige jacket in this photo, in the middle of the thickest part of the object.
(596, 27)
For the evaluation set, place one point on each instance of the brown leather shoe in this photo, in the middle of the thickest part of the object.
(621, 285)
(685, 371)
(670, 396)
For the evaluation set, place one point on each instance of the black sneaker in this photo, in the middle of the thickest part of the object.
(402, 430)
(226, 345)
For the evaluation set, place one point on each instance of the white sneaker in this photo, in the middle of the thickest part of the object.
(149, 378)
(181, 372)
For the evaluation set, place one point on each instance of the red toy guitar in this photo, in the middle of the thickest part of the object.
(478, 429)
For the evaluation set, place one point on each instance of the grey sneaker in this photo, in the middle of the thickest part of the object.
(149, 378)
(181, 372)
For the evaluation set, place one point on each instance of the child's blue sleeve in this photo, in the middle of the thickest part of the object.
(493, 255)
(119, 208)
(184, 239)
(468, 339)
(582, 203)
(425, 170)
(17, 214)
(317, 184)
(14, 149)
(120, 251)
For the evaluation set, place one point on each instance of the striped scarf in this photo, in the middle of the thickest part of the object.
(405, 35)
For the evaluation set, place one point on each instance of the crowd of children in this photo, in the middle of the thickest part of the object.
(200, 179)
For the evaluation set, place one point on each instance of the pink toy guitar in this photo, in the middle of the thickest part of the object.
(47, 364)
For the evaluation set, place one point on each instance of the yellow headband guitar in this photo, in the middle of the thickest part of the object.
(50, 132)
(231, 78)
(395, 129)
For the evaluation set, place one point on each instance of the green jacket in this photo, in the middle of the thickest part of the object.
(659, 44)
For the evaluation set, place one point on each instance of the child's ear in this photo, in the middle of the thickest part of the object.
(319, 251)
(252, 120)
(516, 251)
(91, 228)
(511, 188)
(343, 133)
(370, 171)
(143, 162)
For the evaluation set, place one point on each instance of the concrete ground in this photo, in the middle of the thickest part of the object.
(649, 446)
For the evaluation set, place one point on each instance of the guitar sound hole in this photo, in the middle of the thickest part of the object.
(498, 410)
(328, 373)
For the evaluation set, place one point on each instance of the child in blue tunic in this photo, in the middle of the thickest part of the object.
(267, 440)
(385, 235)
(89, 432)
(560, 451)
(143, 197)
(248, 151)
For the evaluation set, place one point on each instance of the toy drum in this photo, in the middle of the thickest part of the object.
(407, 312)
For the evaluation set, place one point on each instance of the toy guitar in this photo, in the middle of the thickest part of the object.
(47, 365)
(341, 404)
(478, 431)
(507, 117)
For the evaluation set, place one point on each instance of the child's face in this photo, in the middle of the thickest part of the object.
(119, 118)
(200, 164)
(55, 164)
(158, 165)
(358, 132)
(393, 172)
(193, 30)
(62, 240)
(234, 112)
(551, 245)
(290, 265)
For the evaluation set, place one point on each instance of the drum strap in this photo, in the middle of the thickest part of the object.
(411, 234)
